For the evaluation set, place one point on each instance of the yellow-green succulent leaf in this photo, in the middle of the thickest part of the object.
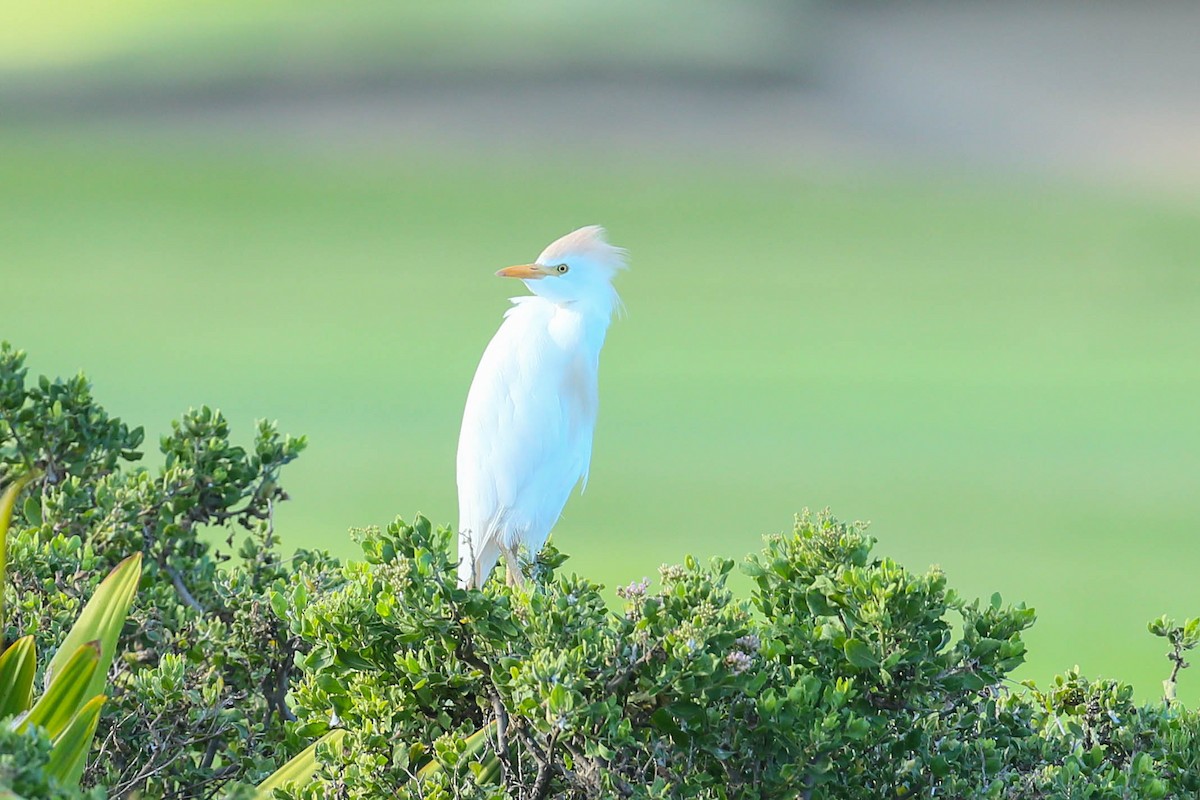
(70, 750)
(101, 620)
(473, 746)
(67, 693)
(299, 769)
(9, 498)
(478, 740)
(17, 667)
(431, 768)
(7, 501)
(490, 774)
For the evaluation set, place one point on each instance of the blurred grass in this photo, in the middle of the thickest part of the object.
(1002, 374)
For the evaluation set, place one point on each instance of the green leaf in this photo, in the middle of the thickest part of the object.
(490, 774)
(818, 604)
(664, 721)
(353, 660)
(67, 693)
(688, 712)
(476, 742)
(431, 768)
(70, 752)
(753, 569)
(559, 700)
(32, 509)
(473, 746)
(301, 768)
(101, 621)
(985, 647)
(7, 501)
(278, 604)
(17, 667)
(859, 654)
(857, 728)
(972, 682)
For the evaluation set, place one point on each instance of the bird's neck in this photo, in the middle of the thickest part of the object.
(596, 309)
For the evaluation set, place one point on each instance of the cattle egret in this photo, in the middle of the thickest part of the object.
(526, 437)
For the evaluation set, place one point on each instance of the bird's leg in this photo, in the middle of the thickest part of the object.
(512, 566)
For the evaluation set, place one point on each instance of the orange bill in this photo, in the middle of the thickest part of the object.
(524, 271)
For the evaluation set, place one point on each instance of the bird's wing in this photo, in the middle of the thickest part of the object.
(579, 401)
(526, 433)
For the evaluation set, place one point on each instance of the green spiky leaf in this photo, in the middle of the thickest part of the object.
(7, 501)
(300, 768)
(71, 747)
(101, 621)
(67, 693)
(17, 667)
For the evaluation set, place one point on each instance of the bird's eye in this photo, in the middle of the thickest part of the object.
(561, 269)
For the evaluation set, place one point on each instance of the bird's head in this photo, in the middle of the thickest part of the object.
(578, 268)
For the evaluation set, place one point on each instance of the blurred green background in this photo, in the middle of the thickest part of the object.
(882, 261)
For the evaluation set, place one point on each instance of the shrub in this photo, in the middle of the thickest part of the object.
(47, 739)
(840, 675)
(51, 735)
(198, 696)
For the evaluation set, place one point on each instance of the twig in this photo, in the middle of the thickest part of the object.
(501, 723)
(617, 681)
(12, 428)
(541, 784)
(184, 594)
(533, 747)
(210, 753)
(281, 686)
(1169, 684)
(592, 775)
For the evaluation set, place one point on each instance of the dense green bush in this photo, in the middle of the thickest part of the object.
(198, 697)
(840, 675)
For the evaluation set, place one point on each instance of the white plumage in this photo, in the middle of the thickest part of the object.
(526, 437)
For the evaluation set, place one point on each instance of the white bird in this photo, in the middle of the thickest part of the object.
(526, 437)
